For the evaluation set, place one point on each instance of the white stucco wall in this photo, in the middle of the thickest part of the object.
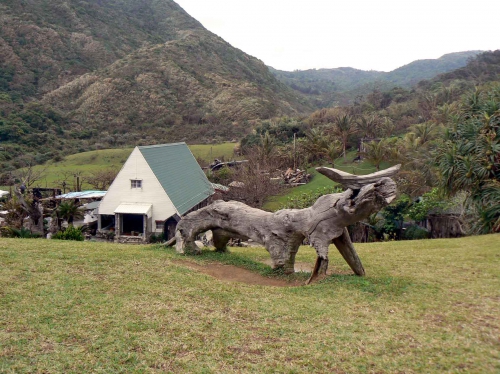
(151, 192)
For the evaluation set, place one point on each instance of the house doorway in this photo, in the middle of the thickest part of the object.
(132, 224)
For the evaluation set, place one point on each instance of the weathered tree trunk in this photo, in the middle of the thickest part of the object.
(445, 226)
(34, 210)
(282, 232)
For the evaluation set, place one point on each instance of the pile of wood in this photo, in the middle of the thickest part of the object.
(296, 177)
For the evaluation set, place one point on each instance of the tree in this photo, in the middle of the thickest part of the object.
(369, 125)
(69, 211)
(469, 158)
(102, 179)
(29, 174)
(333, 151)
(322, 146)
(251, 182)
(344, 126)
(378, 151)
(425, 132)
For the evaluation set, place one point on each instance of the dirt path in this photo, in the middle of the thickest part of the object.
(230, 273)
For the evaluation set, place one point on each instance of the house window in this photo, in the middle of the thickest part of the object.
(136, 183)
(160, 225)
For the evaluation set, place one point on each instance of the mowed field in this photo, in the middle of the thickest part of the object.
(430, 306)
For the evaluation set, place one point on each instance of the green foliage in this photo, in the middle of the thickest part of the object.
(330, 86)
(394, 215)
(469, 158)
(431, 202)
(222, 176)
(282, 131)
(71, 233)
(157, 238)
(307, 199)
(415, 232)
(377, 152)
(13, 232)
(69, 211)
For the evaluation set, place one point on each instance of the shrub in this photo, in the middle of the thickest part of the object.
(71, 233)
(415, 232)
(12, 232)
(157, 238)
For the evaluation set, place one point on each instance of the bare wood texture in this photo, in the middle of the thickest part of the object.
(282, 232)
(355, 182)
(34, 209)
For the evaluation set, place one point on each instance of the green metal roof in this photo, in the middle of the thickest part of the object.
(179, 174)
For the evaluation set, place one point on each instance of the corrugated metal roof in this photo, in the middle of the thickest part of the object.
(82, 195)
(93, 205)
(179, 174)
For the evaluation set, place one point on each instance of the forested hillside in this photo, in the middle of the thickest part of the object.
(79, 75)
(326, 87)
(45, 44)
(445, 132)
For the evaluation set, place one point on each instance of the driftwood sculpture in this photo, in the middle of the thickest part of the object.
(283, 232)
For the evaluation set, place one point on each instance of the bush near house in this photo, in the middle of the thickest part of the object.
(71, 233)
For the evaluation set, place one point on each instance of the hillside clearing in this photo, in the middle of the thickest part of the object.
(426, 306)
(93, 161)
(319, 181)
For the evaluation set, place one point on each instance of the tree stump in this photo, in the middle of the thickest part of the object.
(282, 232)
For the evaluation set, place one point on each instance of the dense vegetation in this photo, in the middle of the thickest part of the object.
(77, 76)
(445, 133)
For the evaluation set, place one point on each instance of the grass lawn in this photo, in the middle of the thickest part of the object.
(92, 161)
(320, 181)
(428, 306)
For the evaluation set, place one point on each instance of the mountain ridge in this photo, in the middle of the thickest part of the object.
(343, 84)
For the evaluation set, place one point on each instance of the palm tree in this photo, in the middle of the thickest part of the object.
(316, 142)
(425, 131)
(333, 151)
(387, 127)
(69, 211)
(469, 159)
(268, 146)
(378, 151)
(369, 125)
(345, 126)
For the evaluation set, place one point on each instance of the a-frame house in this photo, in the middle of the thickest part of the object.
(156, 186)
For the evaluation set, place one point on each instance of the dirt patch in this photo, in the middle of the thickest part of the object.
(299, 266)
(230, 273)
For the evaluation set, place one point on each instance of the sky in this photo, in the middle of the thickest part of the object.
(364, 34)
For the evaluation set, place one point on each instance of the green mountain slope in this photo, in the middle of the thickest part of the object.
(326, 87)
(414, 72)
(79, 75)
(194, 79)
(46, 44)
